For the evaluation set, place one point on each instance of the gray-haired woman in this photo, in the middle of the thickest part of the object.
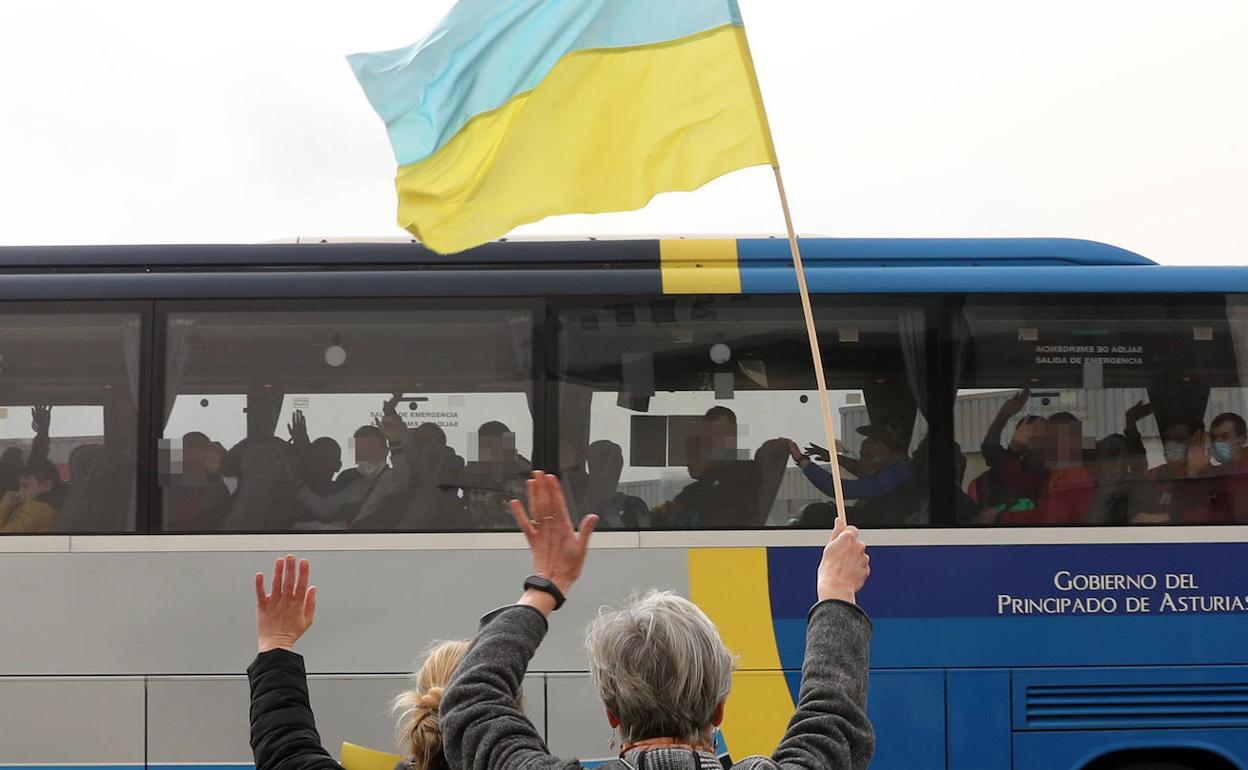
(661, 668)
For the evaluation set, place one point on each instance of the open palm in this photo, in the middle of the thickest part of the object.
(285, 614)
(558, 548)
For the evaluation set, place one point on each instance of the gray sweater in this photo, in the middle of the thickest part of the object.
(484, 728)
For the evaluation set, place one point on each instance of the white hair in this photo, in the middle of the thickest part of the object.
(660, 667)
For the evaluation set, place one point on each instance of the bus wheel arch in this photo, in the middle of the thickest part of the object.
(1163, 758)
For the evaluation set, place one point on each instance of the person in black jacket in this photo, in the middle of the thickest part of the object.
(283, 730)
(661, 668)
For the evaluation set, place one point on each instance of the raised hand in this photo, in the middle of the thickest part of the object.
(284, 615)
(845, 565)
(41, 419)
(392, 426)
(392, 403)
(1198, 460)
(1016, 402)
(298, 428)
(1138, 412)
(816, 452)
(558, 548)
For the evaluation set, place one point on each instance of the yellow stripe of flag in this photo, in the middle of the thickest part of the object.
(606, 130)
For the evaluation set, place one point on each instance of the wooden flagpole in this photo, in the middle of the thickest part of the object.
(824, 405)
(817, 359)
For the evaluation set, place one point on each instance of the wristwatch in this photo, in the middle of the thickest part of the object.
(539, 583)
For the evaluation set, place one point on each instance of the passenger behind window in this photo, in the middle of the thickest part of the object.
(1071, 487)
(1111, 470)
(11, 463)
(885, 487)
(435, 471)
(1017, 475)
(263, 471)
(965, 509)
(727, 491)
(374, 493)
(1169, 492)
(591, 485)
(196, 499)
(1223, 462)
(36, 503)
(98, 493)
(318, 461)
(495, 478)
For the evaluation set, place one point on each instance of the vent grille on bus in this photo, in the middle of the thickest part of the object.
(1051, 707)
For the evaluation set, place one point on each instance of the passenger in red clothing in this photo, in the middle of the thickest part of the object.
(1017, 476)
(1170, 493)
(1223, 462)
(1071, 486)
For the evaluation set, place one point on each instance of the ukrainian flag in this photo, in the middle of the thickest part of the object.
(514, 110)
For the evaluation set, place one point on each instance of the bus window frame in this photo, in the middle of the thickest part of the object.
(163, 309)
(936, 309)
(144, 445)
(1212, 303)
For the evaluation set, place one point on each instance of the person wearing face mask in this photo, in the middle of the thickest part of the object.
(1225, 464)
(1168, 493)
(371, 495)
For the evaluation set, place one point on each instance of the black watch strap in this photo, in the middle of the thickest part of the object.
(544, 585)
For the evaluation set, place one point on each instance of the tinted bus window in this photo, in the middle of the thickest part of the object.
(1104, 413)
(68, 421)
(402, 418)
(678, 413)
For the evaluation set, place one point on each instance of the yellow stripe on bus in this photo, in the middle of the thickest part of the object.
(730, 585)
(700, 266)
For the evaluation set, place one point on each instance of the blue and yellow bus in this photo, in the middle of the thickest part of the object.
(1048, 436)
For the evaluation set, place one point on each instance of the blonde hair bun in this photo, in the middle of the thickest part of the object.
(419, 734)
(431, 699)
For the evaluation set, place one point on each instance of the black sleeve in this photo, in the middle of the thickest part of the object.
(830, 730)
(483, 726)
(283, 730)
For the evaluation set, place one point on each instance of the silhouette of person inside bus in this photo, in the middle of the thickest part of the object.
(35, 505)
(495, 478)
(725, 488)
(1017, 475)
(590, 479)
(372, 496)
(1112, 472)
(1222, 461)
(12, 461)
(196, 499)
(261, 468)
(318, 461)
(885, 487)
(965, 509)
(433, 498)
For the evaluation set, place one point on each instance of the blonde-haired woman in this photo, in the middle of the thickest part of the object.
(420, 732)
(283, 730)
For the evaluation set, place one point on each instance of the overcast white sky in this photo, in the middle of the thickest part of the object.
(1126, 121)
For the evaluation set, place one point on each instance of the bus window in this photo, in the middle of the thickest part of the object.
(689, 413)
(362, 418)
(1103, 413)
(68, 422)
